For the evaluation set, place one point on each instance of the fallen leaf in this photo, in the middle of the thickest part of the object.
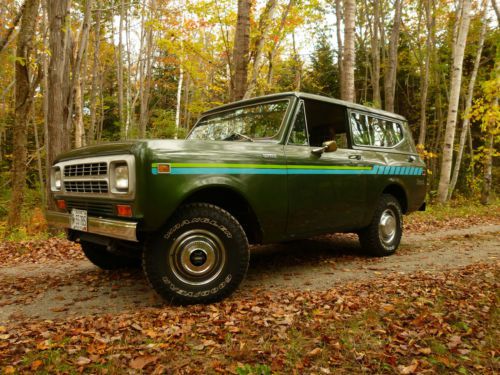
(425, 351)
(36, 364)
(405, 370)
(81, 361)
(314, 352)
(140, 362)
(454, 342)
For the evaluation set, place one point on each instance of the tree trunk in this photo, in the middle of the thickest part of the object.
(79, 127)
(241, 50)
(56, 140)
(338, 16)
(375, 51)
(276, 45)
(23, 101)
(95, 79)
(468, 104)
(144, 116)
(179, 98)
(265, 24)
(76, 88)
(392, 66)
(488, 165)
(451, 121)
(119, 64)
(424, 83)
(5, 39)
(495, 7)
(349, 54)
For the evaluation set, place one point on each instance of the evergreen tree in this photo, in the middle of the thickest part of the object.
(324, 76)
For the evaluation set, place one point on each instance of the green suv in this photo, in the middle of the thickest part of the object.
(269, 169)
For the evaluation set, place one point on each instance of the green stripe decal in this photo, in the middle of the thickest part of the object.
(267, 166)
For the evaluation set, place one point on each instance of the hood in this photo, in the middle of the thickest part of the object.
(114, 148)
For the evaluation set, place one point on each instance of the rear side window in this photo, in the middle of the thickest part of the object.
(372, 131)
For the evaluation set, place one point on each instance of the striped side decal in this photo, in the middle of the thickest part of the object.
(279, 169)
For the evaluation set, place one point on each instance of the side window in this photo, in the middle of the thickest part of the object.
(299, 132)
(372, 131)
(393, 132)
(359, 129)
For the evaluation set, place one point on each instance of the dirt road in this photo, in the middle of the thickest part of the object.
(60, 289)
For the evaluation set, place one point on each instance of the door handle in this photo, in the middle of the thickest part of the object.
(411, 158)
(356, 157)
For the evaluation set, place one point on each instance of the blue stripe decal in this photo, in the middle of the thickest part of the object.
(376, 170)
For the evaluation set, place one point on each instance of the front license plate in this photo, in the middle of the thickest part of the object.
(79, 220)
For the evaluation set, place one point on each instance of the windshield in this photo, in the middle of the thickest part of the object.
(255, 122)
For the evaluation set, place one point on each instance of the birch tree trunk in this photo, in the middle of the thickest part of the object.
(264, 27)
(95, 79)
(180, 81)
(468, 105)
(349, 53)
(338, 16)
(119, 64)
(276, 45)
(451, 121)
(424, 83)
(488, 166)
(392, 66)
(241, 50)
(179, 98)
(375, 50)
(23, 103)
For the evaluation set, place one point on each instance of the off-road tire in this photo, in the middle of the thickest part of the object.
(201, 256)
(373, 239)
(102, 258)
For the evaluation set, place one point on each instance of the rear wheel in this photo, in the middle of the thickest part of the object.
(383, 235)
(102, 258)
(202, 255)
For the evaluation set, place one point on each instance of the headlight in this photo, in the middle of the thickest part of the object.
(56, 179)
(121, 177)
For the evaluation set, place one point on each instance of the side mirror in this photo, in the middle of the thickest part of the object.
(328, 146)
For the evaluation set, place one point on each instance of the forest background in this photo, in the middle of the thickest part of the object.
(82, 72)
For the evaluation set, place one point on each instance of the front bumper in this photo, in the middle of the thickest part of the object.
(120, 229)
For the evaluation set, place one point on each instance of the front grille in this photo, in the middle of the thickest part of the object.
(87, 186)
(92, 208)
(86, 169)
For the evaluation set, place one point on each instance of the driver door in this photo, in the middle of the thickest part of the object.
(326, 192)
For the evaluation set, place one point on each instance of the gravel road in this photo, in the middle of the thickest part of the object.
(52, 290)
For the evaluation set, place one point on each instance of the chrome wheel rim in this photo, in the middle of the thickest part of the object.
(387, 226)
(197, 257)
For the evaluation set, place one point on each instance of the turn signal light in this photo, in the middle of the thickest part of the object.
(61, 204)
(124, 210)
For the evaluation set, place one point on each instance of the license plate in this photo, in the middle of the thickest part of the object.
(79, 220)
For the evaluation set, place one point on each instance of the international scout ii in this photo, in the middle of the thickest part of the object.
(269, 169)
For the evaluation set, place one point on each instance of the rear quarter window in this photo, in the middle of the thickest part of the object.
(372, 131)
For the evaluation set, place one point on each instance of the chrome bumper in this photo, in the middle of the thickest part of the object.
(123, 230)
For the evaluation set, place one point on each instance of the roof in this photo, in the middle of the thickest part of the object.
(304, 95)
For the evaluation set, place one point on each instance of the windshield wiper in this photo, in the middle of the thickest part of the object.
(234, 135)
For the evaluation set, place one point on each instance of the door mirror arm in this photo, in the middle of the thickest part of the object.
(328, 146)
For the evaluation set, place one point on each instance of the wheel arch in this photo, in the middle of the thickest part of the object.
(398, 192)
(233, 202)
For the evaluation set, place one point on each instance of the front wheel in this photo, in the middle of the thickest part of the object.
(202, 255)
(383, 235)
